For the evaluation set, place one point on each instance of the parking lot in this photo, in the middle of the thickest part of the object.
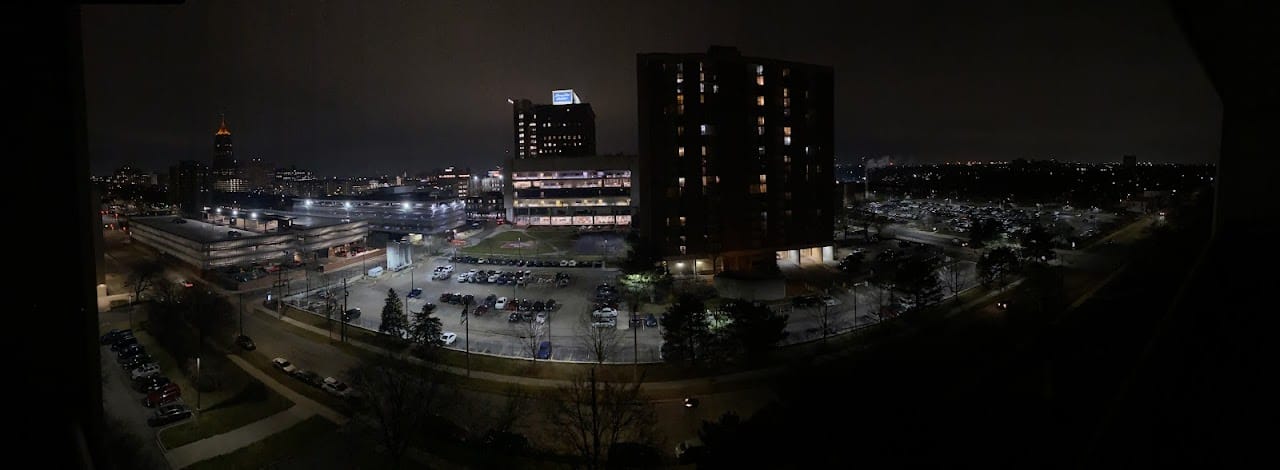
(957, 217)
(492, 332)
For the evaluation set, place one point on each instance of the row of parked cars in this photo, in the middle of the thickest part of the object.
(331, 385)
(534, 263)
(144, 373)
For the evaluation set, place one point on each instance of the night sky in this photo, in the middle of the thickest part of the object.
(365, 88)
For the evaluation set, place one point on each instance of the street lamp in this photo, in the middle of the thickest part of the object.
(197, 383)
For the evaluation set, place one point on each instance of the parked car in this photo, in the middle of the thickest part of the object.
(544, 350)
(170, 413)
(605, 313)
(636, 320)
(123, 342)
(428, 307)
(351, 314)
(284, 365)
(144, 370)
(414, 293)
(448, 338)
(245, 343)
(165, 394)
(551, 305)
(307, 377)
(605, 323)
(514, 317)
(541, 317)
(113, 335)
(150, 382)
(500, 304)
(133, 362)
(335, 387)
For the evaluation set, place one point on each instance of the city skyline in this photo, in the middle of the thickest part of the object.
(1075, 83)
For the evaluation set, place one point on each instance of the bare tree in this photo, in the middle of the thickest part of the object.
(592, 414)
(601, 342)
(513, 410)
(823, 316)
(951, 277)
(399, 397)
(143, 278)
(529, 332)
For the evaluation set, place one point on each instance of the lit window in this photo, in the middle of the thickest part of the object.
(679, 109)
(786, 140)
(786, 72)
(786, 159)
(683, 249)
(703, 129)
(679, 151)
(760, 80)
(807, 150)
(702, 87)
(704, 150)
(759, 70)
(679, 99)
(679, 130)
(763, 179)
(759, 130)
(786, 102)
(786, 92)
(759, 120)
(680, 181)
(682, 221)
(521, 116)
(786, 131)
(679, 77)
(760, 150)
(715, 88)
(702, 98)
(760, 100)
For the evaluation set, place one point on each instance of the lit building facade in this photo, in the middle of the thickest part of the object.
(595, 190)
(565, 128)
(736, 157)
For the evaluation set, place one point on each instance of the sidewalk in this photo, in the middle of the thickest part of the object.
(236, 439)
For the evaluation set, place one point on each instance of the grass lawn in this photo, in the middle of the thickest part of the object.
(299, 438)
(494, 245)
(250, 403)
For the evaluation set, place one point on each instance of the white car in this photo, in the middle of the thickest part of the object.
(335, 387)
(606, 313)
(564, 263)
(501, 304)
(573, 263)
(145, 370)
(605, 323)
(542, 317)
(284, 365)
(464, 277)
(448, 338)
(830, 301)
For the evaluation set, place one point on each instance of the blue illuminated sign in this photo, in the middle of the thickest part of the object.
(562, 97)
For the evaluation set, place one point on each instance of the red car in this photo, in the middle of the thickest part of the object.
(165, 394)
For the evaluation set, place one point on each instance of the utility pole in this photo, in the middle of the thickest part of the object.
(342, 317)
(242, 314)
(467, 323)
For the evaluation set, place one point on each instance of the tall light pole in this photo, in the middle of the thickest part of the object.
(342, 317)
(197, 383)
(242, 314)
(467, 340)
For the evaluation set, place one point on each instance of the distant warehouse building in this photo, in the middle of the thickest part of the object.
(235, 241)
(591, 190)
